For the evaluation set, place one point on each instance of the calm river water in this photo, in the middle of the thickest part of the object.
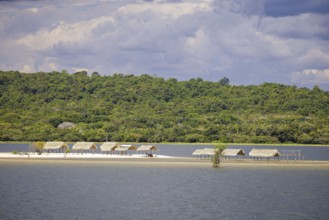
(99, 190)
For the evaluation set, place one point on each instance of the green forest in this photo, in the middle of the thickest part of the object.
(145, 108)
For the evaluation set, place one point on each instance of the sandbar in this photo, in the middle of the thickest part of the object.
(158, 160)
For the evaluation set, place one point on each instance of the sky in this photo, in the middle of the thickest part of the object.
(248, 41)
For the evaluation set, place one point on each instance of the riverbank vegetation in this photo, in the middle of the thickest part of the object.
(128, 108)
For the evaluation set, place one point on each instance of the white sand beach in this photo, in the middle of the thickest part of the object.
(157, 160)
(74, 156)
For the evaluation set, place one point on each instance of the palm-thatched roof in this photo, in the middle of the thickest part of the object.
(54, 145)
(84, 146)
(109, 146)
(233, 152)
(198, 152)
(125, 148)
(264, 153)
(147, 148)
(209, 151)
(204, 151)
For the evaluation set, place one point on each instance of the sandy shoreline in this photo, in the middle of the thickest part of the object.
(159, 160)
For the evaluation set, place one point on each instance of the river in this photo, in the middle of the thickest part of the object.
(88, 190)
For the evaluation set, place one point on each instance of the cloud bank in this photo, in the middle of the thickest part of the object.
(248, 41)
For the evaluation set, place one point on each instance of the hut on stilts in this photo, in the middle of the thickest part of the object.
(147, 150)
(125, 149)
(205, 153)
(55, 147)
(259, 154)
(109, 147)
(84, 147)
(232, 153)
(198, 153)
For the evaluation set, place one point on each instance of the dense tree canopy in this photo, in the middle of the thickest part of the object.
(145, 108)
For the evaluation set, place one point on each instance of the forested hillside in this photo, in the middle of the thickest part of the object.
(144, 108)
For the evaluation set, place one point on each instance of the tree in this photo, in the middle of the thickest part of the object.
(217, 150)
(224, 81)
(38, 147)
(148, 108)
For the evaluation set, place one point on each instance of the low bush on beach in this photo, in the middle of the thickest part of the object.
(38, 147)
(218, 149)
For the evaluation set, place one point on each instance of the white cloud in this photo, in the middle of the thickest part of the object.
(165, 10)
(311, 77)
(26, 69)
(49, 64)
(34, 10)
(79, 69)
(303, 26)
(180, 39)
(64, 32)
(314, 57)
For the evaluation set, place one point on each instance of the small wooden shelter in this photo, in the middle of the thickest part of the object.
(198, 152)
(147, 149)
(84, 147)
(232, 153)
(264, 153)
(205, 153)
(55, 146)
(124, 149)
(109, 147)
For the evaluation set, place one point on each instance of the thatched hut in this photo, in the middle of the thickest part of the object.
(55, 146)
(124, 149)
(209, 151)
(264, 153)
(147, 149)
(84, 147)
(198, 152)
(232, 153)
(109, 147)
(205, 153)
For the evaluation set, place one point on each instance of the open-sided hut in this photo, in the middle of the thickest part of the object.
(198, 152)
(205, 152)
(109, 147)
(209, 151)
(264, 153)
(84, 147)
(124, 149)
(232, 153)
(147, 149)
(55, 146)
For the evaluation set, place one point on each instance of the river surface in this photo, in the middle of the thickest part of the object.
(88, 190)
(181, 150)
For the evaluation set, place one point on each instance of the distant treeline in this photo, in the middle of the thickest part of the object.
(128, 108)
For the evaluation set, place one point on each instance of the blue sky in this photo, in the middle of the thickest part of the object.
(248, 41)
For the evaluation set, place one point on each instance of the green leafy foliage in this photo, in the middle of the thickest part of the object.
(216, 158)
(128, 108)
(38, 147)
